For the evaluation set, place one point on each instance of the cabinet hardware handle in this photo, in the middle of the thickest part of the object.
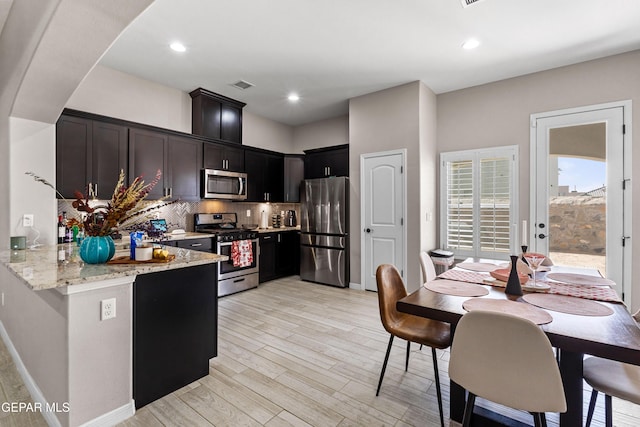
(195, 245)
(95, 190)
(279, 238)
(170, 191)
(90, 189)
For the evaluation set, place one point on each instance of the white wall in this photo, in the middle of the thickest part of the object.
(33, 150)
(116, 94)
(323, 133)
(499, 113)
(382, 121)
(428, 161)
(260, 132)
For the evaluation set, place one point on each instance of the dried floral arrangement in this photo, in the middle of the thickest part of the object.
(124, 210)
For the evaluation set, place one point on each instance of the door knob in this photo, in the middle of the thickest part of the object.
(541, 236)
(367, 230)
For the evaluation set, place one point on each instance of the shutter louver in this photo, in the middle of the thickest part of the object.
(495, 203)
(460, 205)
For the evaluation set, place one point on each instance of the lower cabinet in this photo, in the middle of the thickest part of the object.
(279, 255)
(175, 330)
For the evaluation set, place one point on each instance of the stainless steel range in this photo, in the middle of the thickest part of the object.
(231, 278)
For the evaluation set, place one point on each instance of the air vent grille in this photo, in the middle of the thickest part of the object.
(241, 84)
(467, 3)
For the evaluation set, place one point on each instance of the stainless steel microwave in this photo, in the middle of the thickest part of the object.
(221, 184)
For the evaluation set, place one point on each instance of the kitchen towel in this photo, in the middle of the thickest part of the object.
(242, 253)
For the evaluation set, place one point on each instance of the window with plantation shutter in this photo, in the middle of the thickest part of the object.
(478, 202)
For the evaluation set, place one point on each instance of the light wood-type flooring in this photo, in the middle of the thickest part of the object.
(293, 353)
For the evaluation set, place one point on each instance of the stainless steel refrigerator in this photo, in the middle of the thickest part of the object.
(324, 231)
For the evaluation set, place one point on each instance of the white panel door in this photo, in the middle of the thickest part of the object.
(382, 213)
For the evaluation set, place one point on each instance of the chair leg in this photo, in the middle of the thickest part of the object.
(592, 406)
(539, 419)
(406, 363)
(384, 365)
(438, 392)
(608, 411)
(468, 409)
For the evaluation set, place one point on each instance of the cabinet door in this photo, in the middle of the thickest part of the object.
(293, 176)
(267, 257)
(108, 158)
(274, 177)
(255, 166)
(231, 123)
(209, 118)
(287, 253)
(315, 165)
(73, 142)
(338, 162)
(235, 159)
(213, 156)
(183, 162)
(146, 156)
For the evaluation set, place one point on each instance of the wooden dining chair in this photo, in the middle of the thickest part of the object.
(508, 360)
(432, 333)
(427, 267)
(614, 379)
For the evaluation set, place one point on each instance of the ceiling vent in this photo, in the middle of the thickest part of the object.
(241, 84)
(467, 3)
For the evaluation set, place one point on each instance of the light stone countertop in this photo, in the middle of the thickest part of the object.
(276, 230)
(40, 269)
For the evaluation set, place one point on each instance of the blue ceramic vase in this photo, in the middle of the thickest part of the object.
(97, 249)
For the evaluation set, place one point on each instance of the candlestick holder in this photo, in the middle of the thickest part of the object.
(524, 251)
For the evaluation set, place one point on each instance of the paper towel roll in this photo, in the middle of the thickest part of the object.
(263, 220)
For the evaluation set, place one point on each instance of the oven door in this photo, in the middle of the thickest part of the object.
(226, 268)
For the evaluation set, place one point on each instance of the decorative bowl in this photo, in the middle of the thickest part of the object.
(502, 274)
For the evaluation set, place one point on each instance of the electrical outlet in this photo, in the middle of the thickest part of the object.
(248, 213)
(27, 220)
(107, 309)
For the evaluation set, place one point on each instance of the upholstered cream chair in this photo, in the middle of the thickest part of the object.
(613, 379)
(406, 326)
(427, 267)
(508, 360)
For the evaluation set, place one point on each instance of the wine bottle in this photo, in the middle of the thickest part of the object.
(61, 230)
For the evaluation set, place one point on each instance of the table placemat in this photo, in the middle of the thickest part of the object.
(580, 279)
(569, 305)
(456, 288)
(520, 309)
(464, 276)
(482, 267)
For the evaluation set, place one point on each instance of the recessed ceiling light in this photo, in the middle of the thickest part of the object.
(470, 44)
(178, 47)
(294, 97)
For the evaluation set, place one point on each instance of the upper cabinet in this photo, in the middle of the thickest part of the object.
(179, 159)
(223, 157)
(265, 173)
(293, 176)
(216, 116)
(89, 156)
(325, 162)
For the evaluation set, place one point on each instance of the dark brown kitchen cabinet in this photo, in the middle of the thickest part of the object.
(216, 116)
(267, 257)
(265, 174)
(223, 157)
(89, 156)
(293, 176)
(179, 159)
(279, 255)
(324, 162)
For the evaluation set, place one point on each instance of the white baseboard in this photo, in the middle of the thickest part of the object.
(105, 420)
(114, 417)
(357, 286)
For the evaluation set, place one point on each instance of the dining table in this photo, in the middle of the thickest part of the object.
(614, 335)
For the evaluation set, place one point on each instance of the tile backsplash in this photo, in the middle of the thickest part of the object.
(180, 214)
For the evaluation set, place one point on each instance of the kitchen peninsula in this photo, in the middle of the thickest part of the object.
(93, 367)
